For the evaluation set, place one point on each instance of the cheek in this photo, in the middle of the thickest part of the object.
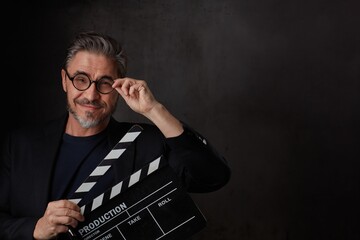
(112, 97)
(72, 94)
(112, 100)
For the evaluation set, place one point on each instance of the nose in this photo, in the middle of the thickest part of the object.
(92, 92)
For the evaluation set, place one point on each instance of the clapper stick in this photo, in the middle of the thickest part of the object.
(123, 185)
(106, 163)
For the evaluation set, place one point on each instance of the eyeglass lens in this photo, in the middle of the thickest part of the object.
(82, 82)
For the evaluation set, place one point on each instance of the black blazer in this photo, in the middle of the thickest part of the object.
(28, 158)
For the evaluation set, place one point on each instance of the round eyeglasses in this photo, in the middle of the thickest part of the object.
(82, 82)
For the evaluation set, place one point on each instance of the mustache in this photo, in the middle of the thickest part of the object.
(86, 101)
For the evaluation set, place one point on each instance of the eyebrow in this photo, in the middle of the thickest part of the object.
(85, 73)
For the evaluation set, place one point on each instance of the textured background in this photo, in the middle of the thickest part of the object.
(274, 85)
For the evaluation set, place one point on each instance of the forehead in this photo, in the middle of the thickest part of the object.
(92, 63)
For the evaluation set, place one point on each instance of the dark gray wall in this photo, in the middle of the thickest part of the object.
(274, 85)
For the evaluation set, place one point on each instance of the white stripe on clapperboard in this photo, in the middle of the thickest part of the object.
(105, 164)
(117, 188)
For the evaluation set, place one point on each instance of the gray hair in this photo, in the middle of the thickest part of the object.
(100, 44)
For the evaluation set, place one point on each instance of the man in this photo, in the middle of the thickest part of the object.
(42, 167)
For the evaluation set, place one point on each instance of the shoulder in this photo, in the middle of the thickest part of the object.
(123, 127)
(35, 131)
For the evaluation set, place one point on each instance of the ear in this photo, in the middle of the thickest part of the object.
(63, 80)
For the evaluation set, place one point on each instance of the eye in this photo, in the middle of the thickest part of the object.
(81, 78)
(106, 82)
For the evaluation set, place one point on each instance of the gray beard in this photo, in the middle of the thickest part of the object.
(89, 122)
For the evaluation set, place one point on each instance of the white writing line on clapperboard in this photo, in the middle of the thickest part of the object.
(176, 227)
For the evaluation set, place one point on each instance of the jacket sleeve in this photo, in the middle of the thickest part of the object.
(11, 227)
(197, 162)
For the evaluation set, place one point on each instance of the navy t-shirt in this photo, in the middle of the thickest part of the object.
(77, 158)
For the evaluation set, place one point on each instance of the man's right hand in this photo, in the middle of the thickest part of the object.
(58, 217)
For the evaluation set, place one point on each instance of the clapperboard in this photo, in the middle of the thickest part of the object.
(149, 204)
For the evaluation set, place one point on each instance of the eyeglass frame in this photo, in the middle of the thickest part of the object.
(96, 82)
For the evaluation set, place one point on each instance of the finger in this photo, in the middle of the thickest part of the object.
(119, 82)
(137, 88)
(128, 87)
(132, 89)
(62, 228)
(67, 221)
(122, 86)
(65, 217)
(64, 204)
(140, 88)
(64, 208)
(75, 214)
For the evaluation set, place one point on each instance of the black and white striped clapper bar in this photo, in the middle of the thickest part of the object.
(106, 163)
(123, 185)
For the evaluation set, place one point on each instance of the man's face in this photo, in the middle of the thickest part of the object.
(90, 107)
